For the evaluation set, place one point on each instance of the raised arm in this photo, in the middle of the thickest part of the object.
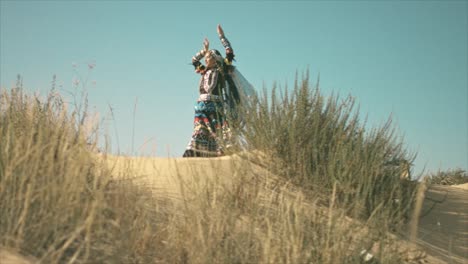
(226, 45)
(199, 67)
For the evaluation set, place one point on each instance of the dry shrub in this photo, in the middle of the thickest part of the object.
(58, 201)
(62, 203)
(318, 142)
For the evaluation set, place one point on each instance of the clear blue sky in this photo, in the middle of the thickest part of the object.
(405, 58)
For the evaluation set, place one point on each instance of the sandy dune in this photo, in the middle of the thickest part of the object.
(9, 256)
(443, 229)
(168, 175)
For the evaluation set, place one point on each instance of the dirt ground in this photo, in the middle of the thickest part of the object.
(443, 226)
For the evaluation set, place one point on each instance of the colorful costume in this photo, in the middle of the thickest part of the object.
(211, 133)
(222, 88)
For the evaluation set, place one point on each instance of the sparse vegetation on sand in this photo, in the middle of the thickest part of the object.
(313, 187)
(449, 177)
(318, 143)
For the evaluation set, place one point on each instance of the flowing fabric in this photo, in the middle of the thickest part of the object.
(245, 89)
(245, 95)
(211, 135)
(238, 92)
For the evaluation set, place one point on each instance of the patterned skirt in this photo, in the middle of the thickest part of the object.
(211, 133)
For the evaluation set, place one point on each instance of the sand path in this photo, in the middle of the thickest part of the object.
(443, 226)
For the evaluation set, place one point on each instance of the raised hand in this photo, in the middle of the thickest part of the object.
(220, 31)
(206, 45)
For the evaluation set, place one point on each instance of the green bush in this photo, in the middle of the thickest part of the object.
(318, 142)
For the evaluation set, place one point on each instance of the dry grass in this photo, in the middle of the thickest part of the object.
(449, 177)
(319, 143)
(62, 203)
(232, 211)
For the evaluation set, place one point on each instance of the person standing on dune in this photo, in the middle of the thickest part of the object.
(211, 133)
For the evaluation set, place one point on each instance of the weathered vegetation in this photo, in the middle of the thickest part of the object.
(313, 187)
